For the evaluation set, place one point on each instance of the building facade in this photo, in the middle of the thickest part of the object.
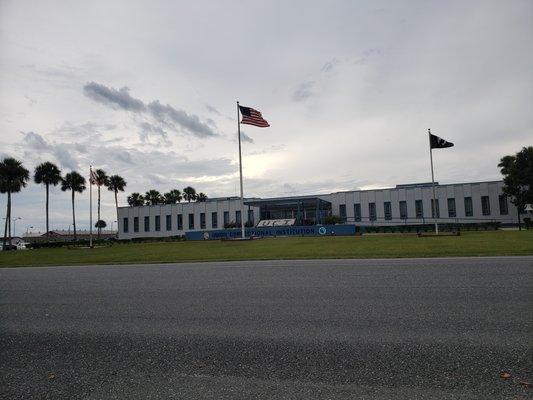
(405, 204)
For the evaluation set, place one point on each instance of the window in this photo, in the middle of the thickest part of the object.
(126, 225)
(357, 212)
(158, 223)
(387, 209)
(180, 222)
(226, 218)
(342, 212)
(135, 224)
(147, 224)
(372, 211)
(202, 220)
(251, 217)
(504, 208)
(435, 213)
(191, 221)
(169, 222)
(469, 210)
(419, 209)
(238, 217)
(403, 209)
(214, 220)
(485, 205)
(452, 213)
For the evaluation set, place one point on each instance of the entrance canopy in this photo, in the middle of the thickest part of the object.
(307, 210)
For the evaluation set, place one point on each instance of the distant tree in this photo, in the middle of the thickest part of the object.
(517, 174)
(135, 199)
(115, 184)
(48, 174)
(13, 177)
(201, 197)
(74, 182)
(101, 180)
(172, 197)
(100, 224)
(189, 194)
(153, 197)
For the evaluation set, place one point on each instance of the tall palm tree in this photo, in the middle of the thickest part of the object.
(173, 197)
(189, 194)
(76, 183)
(101, 180)
(13, 177)
(115, 184)
(153, 197)
(48, 174)
(136, 199)
(201, 196)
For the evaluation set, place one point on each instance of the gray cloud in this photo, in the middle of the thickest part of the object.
(155, 135)
(212, 109)
(115, 98)
(162, 113)
(36, 146)
(189, 122)
(246, 138)
(303, 91)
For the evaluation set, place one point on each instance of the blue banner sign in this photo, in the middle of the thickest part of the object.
(314, 230)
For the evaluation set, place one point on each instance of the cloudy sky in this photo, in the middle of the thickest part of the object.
(147, 90)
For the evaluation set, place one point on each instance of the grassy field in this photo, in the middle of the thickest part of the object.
(366, 246)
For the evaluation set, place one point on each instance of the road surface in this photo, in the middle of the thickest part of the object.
(317, 329)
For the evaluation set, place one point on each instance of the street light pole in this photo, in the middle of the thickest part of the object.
(14, 226)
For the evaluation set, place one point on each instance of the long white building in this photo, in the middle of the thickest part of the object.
(405, 204)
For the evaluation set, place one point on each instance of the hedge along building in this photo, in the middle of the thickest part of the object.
(475, 202)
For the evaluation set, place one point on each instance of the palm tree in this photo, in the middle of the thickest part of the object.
(135, 199)
(189, 194)
(116, 183)
(76, 183)
(201, 196)
(172, 197)
(13, 177)
(49, 174)
(101, 180)
(153, 197)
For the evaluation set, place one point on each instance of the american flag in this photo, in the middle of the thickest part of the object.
(92, 177)
(252, 117)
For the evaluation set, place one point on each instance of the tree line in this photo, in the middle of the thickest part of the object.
(154, 197)
(14, 177)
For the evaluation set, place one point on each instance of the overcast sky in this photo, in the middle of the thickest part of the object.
(147, 90)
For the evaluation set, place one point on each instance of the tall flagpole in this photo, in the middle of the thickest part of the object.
(434, 208)
(91, 206)
(240, 169)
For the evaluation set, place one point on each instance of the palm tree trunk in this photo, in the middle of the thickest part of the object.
(98, 222)
(116, 207)
(47, 226)
(7, 219)
(73, 216)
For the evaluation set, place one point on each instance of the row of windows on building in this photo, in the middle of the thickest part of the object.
(179, 221)
(419, 208)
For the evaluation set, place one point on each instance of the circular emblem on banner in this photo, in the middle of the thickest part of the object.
(322, 230)
(206, 235)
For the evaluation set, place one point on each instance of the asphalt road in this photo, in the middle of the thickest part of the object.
(324, 329)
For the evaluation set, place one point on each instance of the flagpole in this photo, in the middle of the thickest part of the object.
(240, 169)
(434, 208)
(91, 206)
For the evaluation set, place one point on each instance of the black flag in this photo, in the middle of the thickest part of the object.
(436, 142)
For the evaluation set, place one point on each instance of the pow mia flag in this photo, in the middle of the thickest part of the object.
(436, 142)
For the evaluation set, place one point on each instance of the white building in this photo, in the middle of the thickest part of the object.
(405, 204)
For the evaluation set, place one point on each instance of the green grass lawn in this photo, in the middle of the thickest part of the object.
(366, 246)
